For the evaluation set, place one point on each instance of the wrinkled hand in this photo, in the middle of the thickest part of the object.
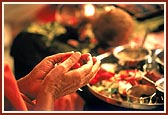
(51, 76)
(29, 85)
(62, 80)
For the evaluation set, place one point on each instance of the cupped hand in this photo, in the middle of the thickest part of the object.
(63, 80)
(58, 78)
(29, 85)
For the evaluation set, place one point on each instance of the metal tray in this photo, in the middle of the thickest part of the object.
(124, 103)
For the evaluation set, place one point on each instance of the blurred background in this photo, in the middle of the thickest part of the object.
(19, 16)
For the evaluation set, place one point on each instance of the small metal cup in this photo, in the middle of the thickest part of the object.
(131, 57)
(141, 94)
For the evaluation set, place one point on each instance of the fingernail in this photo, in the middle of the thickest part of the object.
(78, 53)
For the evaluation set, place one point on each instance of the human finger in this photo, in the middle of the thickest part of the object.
(83, 75)
(77, 75)
(94, 70)
(58, 57)
(69, 62)
(95, 60)
(47, 64)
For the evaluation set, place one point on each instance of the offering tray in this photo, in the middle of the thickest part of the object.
(116, 95)
(124, 103)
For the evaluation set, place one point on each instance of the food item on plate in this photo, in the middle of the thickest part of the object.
(101, 75)
(111, 87)
(123, 87)
(114, 84)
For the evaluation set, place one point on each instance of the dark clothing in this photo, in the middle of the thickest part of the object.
(71, 33)
(37, 41)
(34, 43)
(28, 49)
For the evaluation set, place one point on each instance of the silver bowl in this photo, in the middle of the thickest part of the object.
(141, 94)
(131, 57)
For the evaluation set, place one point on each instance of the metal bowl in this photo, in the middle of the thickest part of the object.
(141, 94)
(131, 57)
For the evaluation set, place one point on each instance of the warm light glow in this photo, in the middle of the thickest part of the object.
(133, 44)
(108, 8)
(89, 10)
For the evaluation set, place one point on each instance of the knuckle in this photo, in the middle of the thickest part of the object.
(78, 78)
(61, 68)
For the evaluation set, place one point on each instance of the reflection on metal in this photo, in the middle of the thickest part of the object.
(125, 103)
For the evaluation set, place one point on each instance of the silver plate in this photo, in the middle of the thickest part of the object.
(125, 104)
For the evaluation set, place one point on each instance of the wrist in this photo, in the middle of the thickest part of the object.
(52, 90)
(24, 87)
(44, 100)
